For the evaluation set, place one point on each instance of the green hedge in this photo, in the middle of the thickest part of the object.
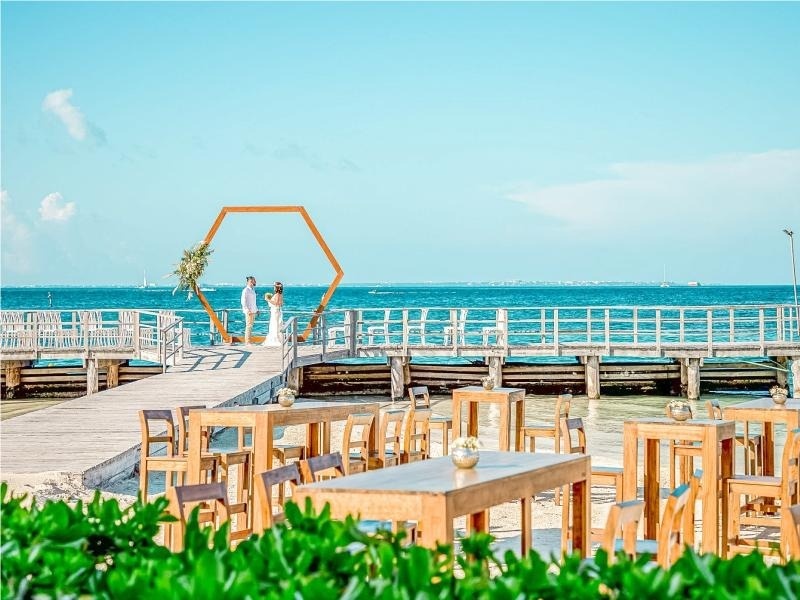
(97, 549)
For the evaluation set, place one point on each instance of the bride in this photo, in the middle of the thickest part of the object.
(275, 301)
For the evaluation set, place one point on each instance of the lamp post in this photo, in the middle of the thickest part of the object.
(790, 233)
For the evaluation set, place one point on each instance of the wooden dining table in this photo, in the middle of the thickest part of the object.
(434, 492)
(716, 440)
(505, 398)
(316, 415)
(764, 410)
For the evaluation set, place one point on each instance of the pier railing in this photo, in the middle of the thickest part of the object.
(156, 336)
(744, 330)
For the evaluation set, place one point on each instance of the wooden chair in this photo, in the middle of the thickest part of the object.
(552, 430)
(389, 436)
(212, 499)
(421, 398)
(183, 429)
(685, 452)
(170, 463)
(326, 465)
(417, 436)
(671, 531)
(753, 444)
(283, 453)
(767, 501)
(330, 466)
(621, 526)
(611, 476)
(269, 479)
(600, 475)
(357, 450)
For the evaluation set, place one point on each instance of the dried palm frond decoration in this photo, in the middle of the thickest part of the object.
(191, 268)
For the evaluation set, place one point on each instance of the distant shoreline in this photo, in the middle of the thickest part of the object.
(452, 284)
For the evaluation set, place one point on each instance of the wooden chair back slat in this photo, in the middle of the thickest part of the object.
(416, 438)
(576, 444)
(164, 417)
(313, 468)
(714, 409)
(356, 450)
(390, 438)
(794, 540)
(671, 531)
(419, 397)
(269, 479)
(622, 523)
(183, 498)
(183, 429)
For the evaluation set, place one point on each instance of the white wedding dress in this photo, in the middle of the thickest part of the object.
(275, 333)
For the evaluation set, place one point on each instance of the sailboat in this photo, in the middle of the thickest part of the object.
(664, 282)
(146, 284)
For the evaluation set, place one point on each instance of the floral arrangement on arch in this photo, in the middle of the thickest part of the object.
(468, 443)
(191, 267)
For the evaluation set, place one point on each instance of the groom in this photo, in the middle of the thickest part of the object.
(249, 307)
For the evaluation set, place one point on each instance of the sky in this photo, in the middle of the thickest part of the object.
(428, 142)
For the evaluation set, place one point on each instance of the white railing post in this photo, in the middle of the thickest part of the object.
(323, 324)
(589, 325)
(454, 330)
(731, 326)
(405, 331)
(608, 330)
(658, 330)
(137, 342)
(555, 333)
(682, 326)
(635, 325)
(502, 326)
(710, 327)
(761, 332)
(351, 331)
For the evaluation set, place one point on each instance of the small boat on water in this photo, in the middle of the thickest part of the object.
(146, 284)
(693, 284)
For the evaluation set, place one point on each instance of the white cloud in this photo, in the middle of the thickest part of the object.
(53, 208)
(675, 194)
(59, 104)
(16, 237)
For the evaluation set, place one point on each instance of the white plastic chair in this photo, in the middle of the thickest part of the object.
(461, 325)
(374, 330)
(419, 329)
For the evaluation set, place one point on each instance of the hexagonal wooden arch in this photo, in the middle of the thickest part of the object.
(317, 236)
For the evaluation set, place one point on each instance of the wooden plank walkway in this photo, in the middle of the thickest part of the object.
(97, 436)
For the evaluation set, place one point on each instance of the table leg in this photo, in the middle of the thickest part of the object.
(728, 455)
(581, 517)
(314, 439)
(262, 461)
(505, 426)
(457, 417)
(527, 525)
(478, 521)
(436, 524)
(652, 487)
(769, 448)
(630, 461)
(472, 420)
(519, 419)
(710, 540)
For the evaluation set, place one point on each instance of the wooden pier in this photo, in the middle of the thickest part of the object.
(97, 436)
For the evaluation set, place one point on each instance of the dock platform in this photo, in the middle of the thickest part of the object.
(98, 436)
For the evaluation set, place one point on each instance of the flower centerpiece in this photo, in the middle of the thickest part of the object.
(464, 452)
(191, 267)
(487, 382)
(779, 394)
(286, 397)
(680, 410)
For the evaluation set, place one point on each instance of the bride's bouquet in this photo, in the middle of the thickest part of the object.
(268, 296)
